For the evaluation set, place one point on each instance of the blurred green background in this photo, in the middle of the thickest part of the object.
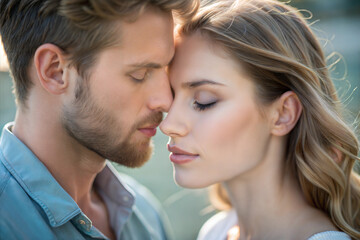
(337, 24)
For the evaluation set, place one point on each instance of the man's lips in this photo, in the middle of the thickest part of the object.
(179, 156)
(149, 131)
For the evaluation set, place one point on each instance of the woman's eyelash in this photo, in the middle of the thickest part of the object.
(202, 107)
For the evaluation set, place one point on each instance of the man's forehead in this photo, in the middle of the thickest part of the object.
(151, 64)
(147, 42)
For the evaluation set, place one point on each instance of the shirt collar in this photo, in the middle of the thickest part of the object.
(42, 187)
(36, 180)
(109, 183)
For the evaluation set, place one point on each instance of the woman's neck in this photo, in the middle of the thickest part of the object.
(270, 204)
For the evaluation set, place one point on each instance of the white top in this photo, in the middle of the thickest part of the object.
(217, 227)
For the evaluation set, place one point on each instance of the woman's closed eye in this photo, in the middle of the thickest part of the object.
(204, 100)
(203, 106)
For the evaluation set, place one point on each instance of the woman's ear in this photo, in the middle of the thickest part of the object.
(49, 63)
(287, 110)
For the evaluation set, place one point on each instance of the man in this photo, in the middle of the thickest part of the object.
(91, 84)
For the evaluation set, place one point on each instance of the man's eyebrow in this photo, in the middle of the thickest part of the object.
(146, 65)
(149, 65)
(194, 84)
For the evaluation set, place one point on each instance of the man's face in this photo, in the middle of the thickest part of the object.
(116, 110)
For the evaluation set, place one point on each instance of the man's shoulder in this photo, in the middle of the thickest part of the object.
(16, 208)
(11, 192)
(4, 177)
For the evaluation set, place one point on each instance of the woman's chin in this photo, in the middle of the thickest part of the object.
(191, 182)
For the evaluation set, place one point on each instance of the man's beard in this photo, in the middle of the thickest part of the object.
(98, 130)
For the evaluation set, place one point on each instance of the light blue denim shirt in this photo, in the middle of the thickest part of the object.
(34, 206)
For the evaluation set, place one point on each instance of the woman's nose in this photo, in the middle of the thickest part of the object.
(175, 123)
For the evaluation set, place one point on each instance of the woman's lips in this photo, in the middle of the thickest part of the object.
(179, 156)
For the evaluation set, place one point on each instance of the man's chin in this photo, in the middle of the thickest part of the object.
(134, 156)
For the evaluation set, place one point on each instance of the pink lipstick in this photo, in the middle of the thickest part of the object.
(179, 156)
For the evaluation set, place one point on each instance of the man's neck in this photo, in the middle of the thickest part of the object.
(71, 164)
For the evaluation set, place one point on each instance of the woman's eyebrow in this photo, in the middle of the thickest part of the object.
(194, 84)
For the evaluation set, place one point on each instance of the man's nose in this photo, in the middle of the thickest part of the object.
(161, 97)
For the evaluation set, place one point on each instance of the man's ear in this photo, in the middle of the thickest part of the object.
(287, 110)
(50, 63)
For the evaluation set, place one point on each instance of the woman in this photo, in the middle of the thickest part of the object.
(255, 111)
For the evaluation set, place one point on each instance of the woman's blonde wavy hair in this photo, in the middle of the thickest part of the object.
(277, 47)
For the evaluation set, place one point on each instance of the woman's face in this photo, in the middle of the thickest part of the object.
(215, 127)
